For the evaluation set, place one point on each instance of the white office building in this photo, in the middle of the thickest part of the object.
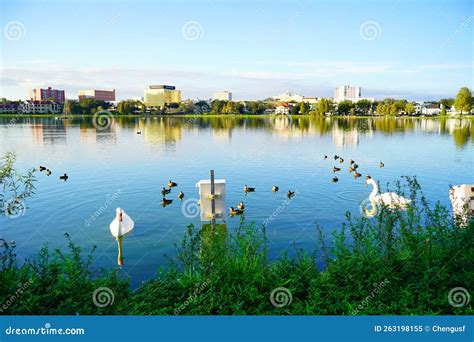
(288, 97)
(222, 96)
(347, 93)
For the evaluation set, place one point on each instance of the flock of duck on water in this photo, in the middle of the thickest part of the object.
(389, 199)
(122, 224)
(64, 177)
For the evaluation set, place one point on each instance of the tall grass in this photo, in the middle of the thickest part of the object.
(398, 262)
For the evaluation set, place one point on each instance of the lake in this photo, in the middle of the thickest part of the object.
(116, 167)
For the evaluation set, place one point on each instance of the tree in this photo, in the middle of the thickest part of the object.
(324, 106)
(447, 102)
(295, 109)
(363, 107)
(16, 187)
(256, 107)
(463, 101)
(345, 108)
(67, 108)
(304, 108)
(173, 105)
(217, 106)
(409, 108)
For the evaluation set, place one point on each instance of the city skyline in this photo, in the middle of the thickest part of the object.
(307, 47)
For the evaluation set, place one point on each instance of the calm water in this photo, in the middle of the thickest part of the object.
(117, 167)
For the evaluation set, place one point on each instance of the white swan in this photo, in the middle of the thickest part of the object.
(119, 227)
(462, 199)
(389, 199)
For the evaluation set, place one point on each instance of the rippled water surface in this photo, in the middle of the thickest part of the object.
(118, 167)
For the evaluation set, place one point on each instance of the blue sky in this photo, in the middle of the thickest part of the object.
(256, 49)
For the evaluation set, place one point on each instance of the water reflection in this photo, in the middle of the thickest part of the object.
(168, 130)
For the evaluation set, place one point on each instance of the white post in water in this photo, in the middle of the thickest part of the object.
(213, 202)
(212, 199)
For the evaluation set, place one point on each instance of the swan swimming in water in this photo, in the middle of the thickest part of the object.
(391, 200)
(119, 227)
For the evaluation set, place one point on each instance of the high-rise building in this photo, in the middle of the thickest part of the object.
(347, 93)
(40, 94)
(103, 95)
(159, 95)
(222, 96)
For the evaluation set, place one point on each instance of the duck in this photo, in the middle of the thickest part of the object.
(325, 157)
(247, 189)
(351, 169)
(233, 211)
(335, 179)
(64, 177)
(275, 188)
(48, 172)
(180, 195)
(351, 162)
(165, 191)
(381, 165)
(390, 199)
(241, 206)
(355, 166)
(172, 184)
(290, 194)
(336, 157)
(341, 160)
(42, 168)
(139, 132)
(165, 202)
(335, 169)
(357, 175)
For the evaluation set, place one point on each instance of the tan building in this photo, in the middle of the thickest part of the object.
(159, 95)
(103, 95)
(222, 96)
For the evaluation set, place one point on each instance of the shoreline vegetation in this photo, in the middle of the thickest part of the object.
(263, 116)
(396, 263)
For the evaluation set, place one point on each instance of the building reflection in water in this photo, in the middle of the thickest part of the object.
(166, 131)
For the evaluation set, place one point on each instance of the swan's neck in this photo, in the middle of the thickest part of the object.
(375, 189)
(119, 247)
